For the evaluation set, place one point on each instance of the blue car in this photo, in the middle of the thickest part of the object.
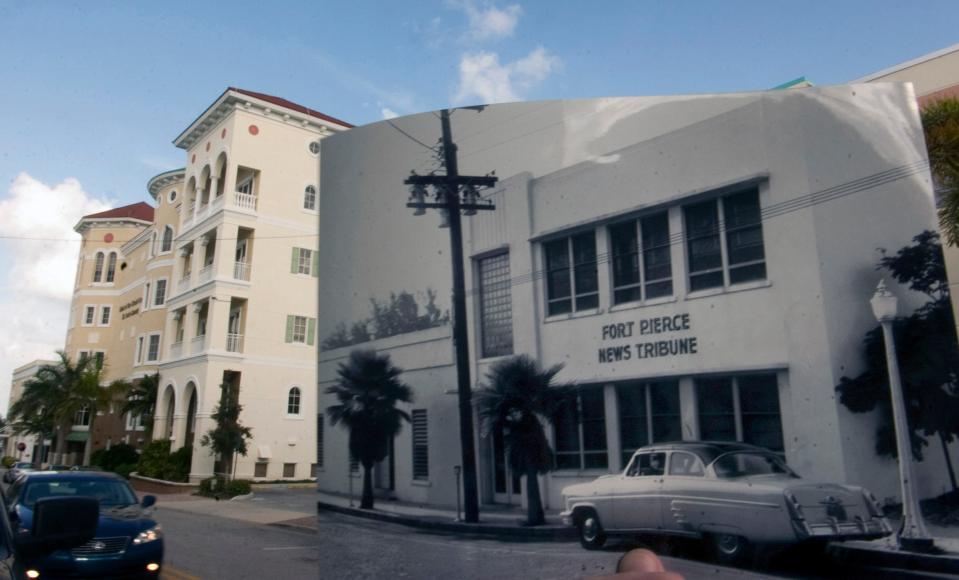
(128, 543)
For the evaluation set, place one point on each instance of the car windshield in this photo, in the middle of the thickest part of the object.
(109, 493)
(745, 463)
(24, 466)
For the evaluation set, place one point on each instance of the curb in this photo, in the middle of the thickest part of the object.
(912, 561)
(242, 497)
(547, 533)
(295, 527)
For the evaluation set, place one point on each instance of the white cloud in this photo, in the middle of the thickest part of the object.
(388, 113)
(37, 278)
(483, 77)
(491, 22)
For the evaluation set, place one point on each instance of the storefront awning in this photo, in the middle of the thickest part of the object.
(80, 436)
(264, 452)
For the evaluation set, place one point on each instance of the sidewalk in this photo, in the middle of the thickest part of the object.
(501, 521)
(884, 552)
(241, 509)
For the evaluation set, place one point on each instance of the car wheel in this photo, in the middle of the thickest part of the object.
(730, 548)
(591, 534)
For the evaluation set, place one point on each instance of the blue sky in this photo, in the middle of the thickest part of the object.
(94, 92)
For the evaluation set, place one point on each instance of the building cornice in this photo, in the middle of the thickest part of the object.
(909, 63)
(86, 223)
(231, 100)
(161, 181)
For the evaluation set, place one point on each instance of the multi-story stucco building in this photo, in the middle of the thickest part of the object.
(214, 284)
(701, 266)
(32, 444)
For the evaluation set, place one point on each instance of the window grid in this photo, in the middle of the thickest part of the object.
(89, 315)
(421, 461)
(641, 266)
(648, 413)
(82, 417)
(159, 293)
(98, 267)
(293, 402)
(309, 197)
(571, 277)
(153, 349)
(111, 267)
(289, 470)
(726, 251)
(167, 243)
(260, 467)
(299, 329)
(304, 261)
(744, 408)
(580, 432)
(105, 315)
(496, 306)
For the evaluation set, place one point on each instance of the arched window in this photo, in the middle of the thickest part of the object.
(167, 239)
(309, 197)
(98, 268)
(111, 266)
(293, 402)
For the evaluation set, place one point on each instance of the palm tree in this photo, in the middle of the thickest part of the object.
(368, 390)
(58, 392)
(940, 124)
(518, 399)
(140, 400)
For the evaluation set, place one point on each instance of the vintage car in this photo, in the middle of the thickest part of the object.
(731, 494)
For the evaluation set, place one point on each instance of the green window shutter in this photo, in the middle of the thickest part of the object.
(310, 330)
(316, 264)
(289, 328)
(295, 260)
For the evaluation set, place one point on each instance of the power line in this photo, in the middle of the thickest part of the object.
(410, 137)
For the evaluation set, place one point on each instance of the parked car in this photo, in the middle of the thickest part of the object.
(14, 472)
(731, 494)
(127, 542)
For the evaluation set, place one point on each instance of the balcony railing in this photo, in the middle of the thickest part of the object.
(206, 273)
(245, 201)
(196, 344)
(241, 271)
(234, 342)
(176, 350)
(184, 284)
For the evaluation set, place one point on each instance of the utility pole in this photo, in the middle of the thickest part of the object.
(447, 190)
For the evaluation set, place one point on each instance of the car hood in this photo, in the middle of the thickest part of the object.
(114, 521)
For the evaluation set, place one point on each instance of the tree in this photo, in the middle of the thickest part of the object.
(940, 124)
(368, 390)
(928, 356)
(518, 399)
(229, 437)
(397, 315)
(141, 398)
(58, 392)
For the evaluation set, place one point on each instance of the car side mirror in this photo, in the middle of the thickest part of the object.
(59, 523)
(148, 501)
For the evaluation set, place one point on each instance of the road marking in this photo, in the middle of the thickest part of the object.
(171, 573)
(292, 548)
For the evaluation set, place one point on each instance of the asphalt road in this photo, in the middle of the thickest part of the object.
(207, 547)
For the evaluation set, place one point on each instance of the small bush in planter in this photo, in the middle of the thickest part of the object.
(125, 470)
(8, 461)
(220, 487)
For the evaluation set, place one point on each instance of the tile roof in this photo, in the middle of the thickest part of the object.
(289, 105)
(138, 211)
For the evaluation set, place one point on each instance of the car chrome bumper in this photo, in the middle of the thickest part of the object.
(850, 530)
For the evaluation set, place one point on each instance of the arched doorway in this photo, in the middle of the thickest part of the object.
(190, 415)
(168, 402)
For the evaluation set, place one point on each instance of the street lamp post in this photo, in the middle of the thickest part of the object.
(454, 193)
(912, 533)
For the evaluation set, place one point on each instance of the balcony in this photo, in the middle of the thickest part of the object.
(197, 344)
(206, 274)
(217, 202)
(184, 284)
(245, 201)
(241, 271)
(176, 350)
(234, 342)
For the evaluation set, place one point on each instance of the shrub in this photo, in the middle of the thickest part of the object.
(154, 458)
(117, 455)
(8, 461)
(125, 469)
(225, 488)
(178, 464)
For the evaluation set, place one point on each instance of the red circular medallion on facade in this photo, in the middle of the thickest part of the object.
(254, 129)
(223, 134)
(108, 238)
